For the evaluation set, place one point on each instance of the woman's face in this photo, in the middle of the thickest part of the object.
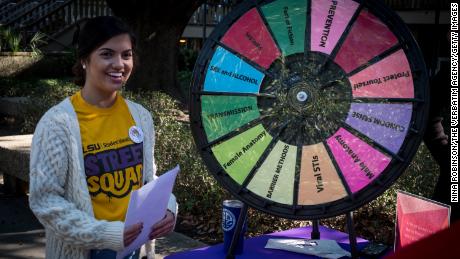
(110, 65)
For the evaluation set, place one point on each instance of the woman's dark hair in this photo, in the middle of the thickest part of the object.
(94, 33)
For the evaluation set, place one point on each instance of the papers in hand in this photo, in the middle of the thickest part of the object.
(321, 248)
(148, 205)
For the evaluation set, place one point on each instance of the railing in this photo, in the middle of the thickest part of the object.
(16, 10)
(33, 13)
(214, 13)
(53, 16)
(417, 4)
(3, 3)
(65, 15)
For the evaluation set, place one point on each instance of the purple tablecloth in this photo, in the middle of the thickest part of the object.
(254, 247)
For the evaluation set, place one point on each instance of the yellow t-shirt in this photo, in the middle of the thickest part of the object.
(113, 162)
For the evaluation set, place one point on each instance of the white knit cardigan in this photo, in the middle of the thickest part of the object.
(59, 195)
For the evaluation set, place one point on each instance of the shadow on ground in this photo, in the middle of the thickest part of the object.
(21, 235)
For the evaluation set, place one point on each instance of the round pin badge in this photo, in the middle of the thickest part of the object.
(136, 134)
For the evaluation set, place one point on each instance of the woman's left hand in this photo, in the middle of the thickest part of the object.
(163, 227)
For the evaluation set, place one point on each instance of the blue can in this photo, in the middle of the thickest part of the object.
(231, 210)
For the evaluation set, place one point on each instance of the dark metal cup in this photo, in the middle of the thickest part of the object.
(231, 210)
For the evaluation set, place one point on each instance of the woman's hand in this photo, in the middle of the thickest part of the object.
(163, 227)
(131, 233)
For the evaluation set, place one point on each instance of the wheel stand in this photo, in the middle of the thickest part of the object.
(315, 233)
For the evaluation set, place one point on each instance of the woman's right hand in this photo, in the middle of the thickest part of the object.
(131, 233)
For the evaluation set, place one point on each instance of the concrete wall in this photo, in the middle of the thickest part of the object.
(13, 63)
(24, 64)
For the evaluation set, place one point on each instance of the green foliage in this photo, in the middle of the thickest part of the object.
(37, 40)
(187, 58)
(42, 93)
(12, 39)
(48, 93)
(184, 78)
(37, 88)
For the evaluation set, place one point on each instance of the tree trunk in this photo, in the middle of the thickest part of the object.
(158, 26)
(157, 54)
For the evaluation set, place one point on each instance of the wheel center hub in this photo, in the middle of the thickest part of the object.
(302, 96)
(309, 106)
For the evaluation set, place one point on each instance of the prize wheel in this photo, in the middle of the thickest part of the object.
(308, 109)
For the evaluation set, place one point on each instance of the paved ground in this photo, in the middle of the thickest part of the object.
(22, 236)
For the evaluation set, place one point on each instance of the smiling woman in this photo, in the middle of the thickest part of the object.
(105, 58)
(107, 69)
(92, 150)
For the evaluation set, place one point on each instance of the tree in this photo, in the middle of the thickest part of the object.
(158, 26)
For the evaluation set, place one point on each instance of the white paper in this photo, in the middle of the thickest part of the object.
(148, 205)
(322, 248)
